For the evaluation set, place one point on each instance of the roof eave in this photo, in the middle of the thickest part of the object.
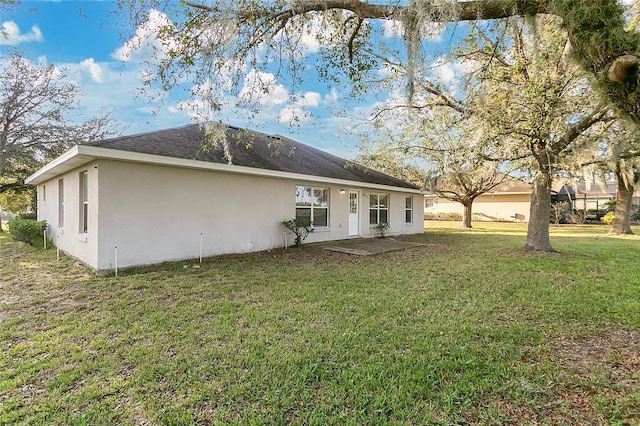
(71, 159)
(81, 154)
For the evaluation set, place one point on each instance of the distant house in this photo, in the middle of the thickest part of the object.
(589, 198)
(160, 196)
(511, 200)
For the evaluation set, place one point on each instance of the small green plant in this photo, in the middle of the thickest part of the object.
(27, 230)
(381, 229)
(30, 215)
(300, 229)
(608, 218)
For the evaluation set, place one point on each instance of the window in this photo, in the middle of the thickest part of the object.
(44, 194)
(84, 201)
(408, 210)
(61, 203)
(428, 203)
(378, 208)
(312, 205)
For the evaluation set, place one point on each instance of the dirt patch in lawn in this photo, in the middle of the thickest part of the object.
(601, 367)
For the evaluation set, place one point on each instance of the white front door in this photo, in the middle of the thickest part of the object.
(353, 213)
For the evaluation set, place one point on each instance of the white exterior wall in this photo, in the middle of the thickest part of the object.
(156, 213)
(68, 237)
(499, 207)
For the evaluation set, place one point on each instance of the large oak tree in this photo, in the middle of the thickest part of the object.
(37, 121)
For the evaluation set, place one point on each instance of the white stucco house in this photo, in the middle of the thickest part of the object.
(159, 196)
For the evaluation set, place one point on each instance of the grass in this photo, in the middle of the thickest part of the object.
(465, 329)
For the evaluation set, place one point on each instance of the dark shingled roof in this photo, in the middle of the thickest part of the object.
(250, 149)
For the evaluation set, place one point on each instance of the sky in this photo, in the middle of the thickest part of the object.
(95, 49)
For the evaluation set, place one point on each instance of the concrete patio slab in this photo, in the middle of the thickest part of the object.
(369, 246)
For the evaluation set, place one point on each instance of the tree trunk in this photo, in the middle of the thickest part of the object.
(539, 214)
(466, 215)
(624, 197)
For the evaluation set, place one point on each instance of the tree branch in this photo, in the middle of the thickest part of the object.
(470, 10)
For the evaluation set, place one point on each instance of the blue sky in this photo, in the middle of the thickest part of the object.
(86, 39)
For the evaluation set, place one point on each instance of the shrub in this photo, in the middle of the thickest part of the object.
(300, 229)
(381, 229)
(31, 216)
(27, 230)
(608, 218)
(558, 210)
(442, 216)
(578, 217)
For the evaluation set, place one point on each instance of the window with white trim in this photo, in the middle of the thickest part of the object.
(84, 201)
(44, 194)
(312, 205)
(61, 203)
(408, 210)
(429, 203)
(378, 208)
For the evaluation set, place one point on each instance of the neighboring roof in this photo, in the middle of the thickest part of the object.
(249, 150)
(511, 186)
(581, 189)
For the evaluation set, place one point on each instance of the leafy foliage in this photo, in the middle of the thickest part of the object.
(35, 123)
(16, 201)
(608, 218)
(381, 229)
(300, 229)
(27, 230)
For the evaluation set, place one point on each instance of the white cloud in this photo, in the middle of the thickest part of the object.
(310, 99)
(261, 88)
(331, 97)
(145, 44)
(309, 33)
(11, 35)
(291, 114)
(449, 72)
(95, 71)
(431, 31)
(443, 70)
(392, 28)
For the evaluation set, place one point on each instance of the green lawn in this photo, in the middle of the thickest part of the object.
(465, 329)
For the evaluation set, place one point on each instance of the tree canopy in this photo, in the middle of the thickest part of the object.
(210, 37)
(36, 121)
